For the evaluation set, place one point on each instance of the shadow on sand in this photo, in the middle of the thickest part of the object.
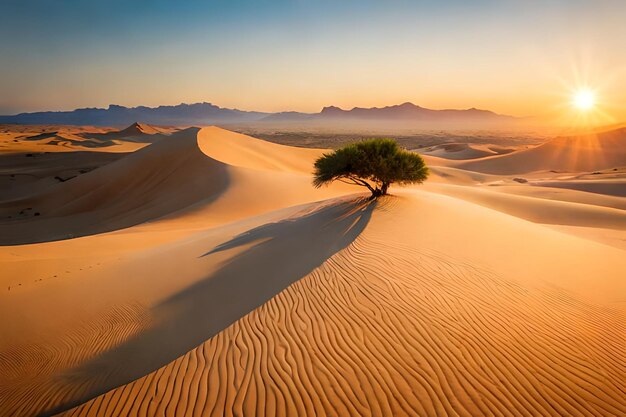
(272, 257)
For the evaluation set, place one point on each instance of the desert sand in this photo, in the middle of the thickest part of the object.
(197, 272)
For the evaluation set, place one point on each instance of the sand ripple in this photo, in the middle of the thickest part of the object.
(29, 372)
(383, 329)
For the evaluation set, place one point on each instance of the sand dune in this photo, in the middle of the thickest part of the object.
(464, 150)
(243, 151)
(539, 210)
(137, 132)
(456, 151)
(158, 310)
(560, 193)
(177, 173)
(142, 186)
(228, 285)
(570, 154)
(70, 140)
(611, 187)
(415, 330)
(35, 141)
(451, 175)
(610, 237)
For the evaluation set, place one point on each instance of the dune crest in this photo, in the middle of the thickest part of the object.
(157, 180)
(569, 154)
(137, 132)
(185, 171)
(243, 151)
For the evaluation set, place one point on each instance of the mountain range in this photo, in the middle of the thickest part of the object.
(208, 114)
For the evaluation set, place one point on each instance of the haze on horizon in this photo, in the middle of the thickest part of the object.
(513, 57)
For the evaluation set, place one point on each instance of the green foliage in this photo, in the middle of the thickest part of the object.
(374, 163)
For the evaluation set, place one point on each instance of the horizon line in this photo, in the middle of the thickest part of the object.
(266, 112)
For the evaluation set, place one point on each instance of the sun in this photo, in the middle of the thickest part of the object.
(584, 100)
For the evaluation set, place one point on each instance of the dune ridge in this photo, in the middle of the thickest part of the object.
(136, 132)
(607, 187)
(539, 210)
(144, 185)
(239, 150)
(462, 151)
(189, 168)
(570, 154)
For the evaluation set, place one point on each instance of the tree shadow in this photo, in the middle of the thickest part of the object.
(273, 257)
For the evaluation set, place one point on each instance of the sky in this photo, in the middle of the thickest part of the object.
(523, 58)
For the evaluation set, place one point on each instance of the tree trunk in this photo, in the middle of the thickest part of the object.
(383, 189)
(377, 192)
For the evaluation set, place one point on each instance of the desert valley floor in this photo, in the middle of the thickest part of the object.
(197, 272)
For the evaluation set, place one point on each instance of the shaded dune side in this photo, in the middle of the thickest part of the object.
(70, 140)
(167, 176)
(383, 328)
(201, 294)
(570, 154)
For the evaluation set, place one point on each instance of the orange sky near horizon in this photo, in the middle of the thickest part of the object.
(511, 57)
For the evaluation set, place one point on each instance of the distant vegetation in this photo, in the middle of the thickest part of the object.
(374, 164)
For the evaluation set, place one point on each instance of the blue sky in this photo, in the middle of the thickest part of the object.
(511, 56)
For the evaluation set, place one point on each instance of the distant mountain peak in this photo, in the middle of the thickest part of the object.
(141, 118)
(475, 110)
(116, 115)
(411, 111)
(331, 109)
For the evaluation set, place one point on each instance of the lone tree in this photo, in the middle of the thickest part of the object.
(374, 163)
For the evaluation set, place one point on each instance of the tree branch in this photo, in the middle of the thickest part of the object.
(361, 182)
(340, 179)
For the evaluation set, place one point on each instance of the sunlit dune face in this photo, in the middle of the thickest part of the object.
(584, 100)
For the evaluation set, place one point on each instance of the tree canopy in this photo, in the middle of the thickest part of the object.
(374, 164)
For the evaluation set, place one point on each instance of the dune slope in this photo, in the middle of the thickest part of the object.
(240, 150)
(167, 176)
(185, 171)
(137, 132)
(610, 187)
(461, 151)
(539, 210)
(415, 324)
(570, 154)
(174, 296)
